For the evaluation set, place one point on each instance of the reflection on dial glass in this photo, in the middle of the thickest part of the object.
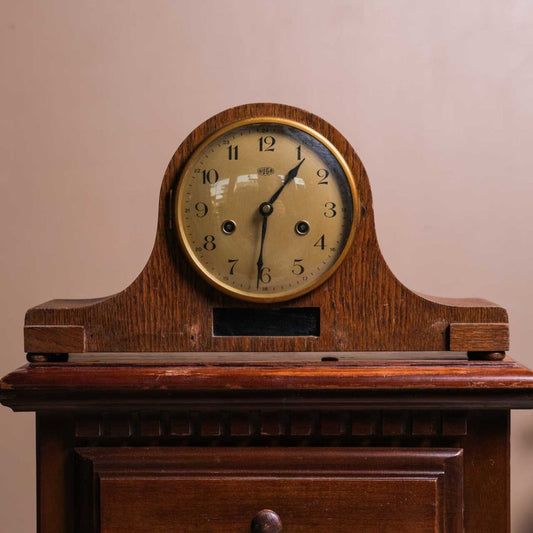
(268, 179)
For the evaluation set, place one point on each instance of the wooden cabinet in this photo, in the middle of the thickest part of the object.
(371, 447)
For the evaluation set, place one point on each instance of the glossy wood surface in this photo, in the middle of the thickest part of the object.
(169, 308)
(477, 384)
(321, 490)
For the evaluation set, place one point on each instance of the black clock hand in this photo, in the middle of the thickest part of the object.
(265, 210)
(290, 176)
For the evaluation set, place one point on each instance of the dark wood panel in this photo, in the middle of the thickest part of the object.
(341, 490)
(166, 505)
(487, 469)
(55, 477)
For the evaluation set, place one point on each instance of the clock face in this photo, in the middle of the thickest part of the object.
(266, 209)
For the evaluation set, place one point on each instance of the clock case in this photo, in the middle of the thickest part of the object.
(169, 308)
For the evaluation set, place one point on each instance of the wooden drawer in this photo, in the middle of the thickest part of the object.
(318, 490)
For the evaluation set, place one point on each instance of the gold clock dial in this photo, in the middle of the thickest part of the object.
(266, 209)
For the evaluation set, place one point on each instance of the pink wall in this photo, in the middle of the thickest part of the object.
(435, 96)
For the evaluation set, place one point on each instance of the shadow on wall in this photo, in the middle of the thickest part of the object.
(527, 525)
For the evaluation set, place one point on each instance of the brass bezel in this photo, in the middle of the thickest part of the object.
(244, 295)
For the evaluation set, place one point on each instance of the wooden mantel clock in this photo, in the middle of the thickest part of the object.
(266, 371)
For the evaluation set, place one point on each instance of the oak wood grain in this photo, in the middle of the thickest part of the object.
(169, 308)
(479, 337)
(59, 339)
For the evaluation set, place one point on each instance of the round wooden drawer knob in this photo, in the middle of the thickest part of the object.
(266, 521)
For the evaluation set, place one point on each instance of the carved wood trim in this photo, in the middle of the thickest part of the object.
(267, 426)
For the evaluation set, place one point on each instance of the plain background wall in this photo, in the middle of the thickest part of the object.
(435, 96)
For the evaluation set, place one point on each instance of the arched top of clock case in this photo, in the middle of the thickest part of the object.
(362, 307)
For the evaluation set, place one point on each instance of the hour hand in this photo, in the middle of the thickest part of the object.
(293, 172)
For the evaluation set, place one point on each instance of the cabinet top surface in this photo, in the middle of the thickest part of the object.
(476, 384)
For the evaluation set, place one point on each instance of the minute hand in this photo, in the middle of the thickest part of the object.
(290, 176)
